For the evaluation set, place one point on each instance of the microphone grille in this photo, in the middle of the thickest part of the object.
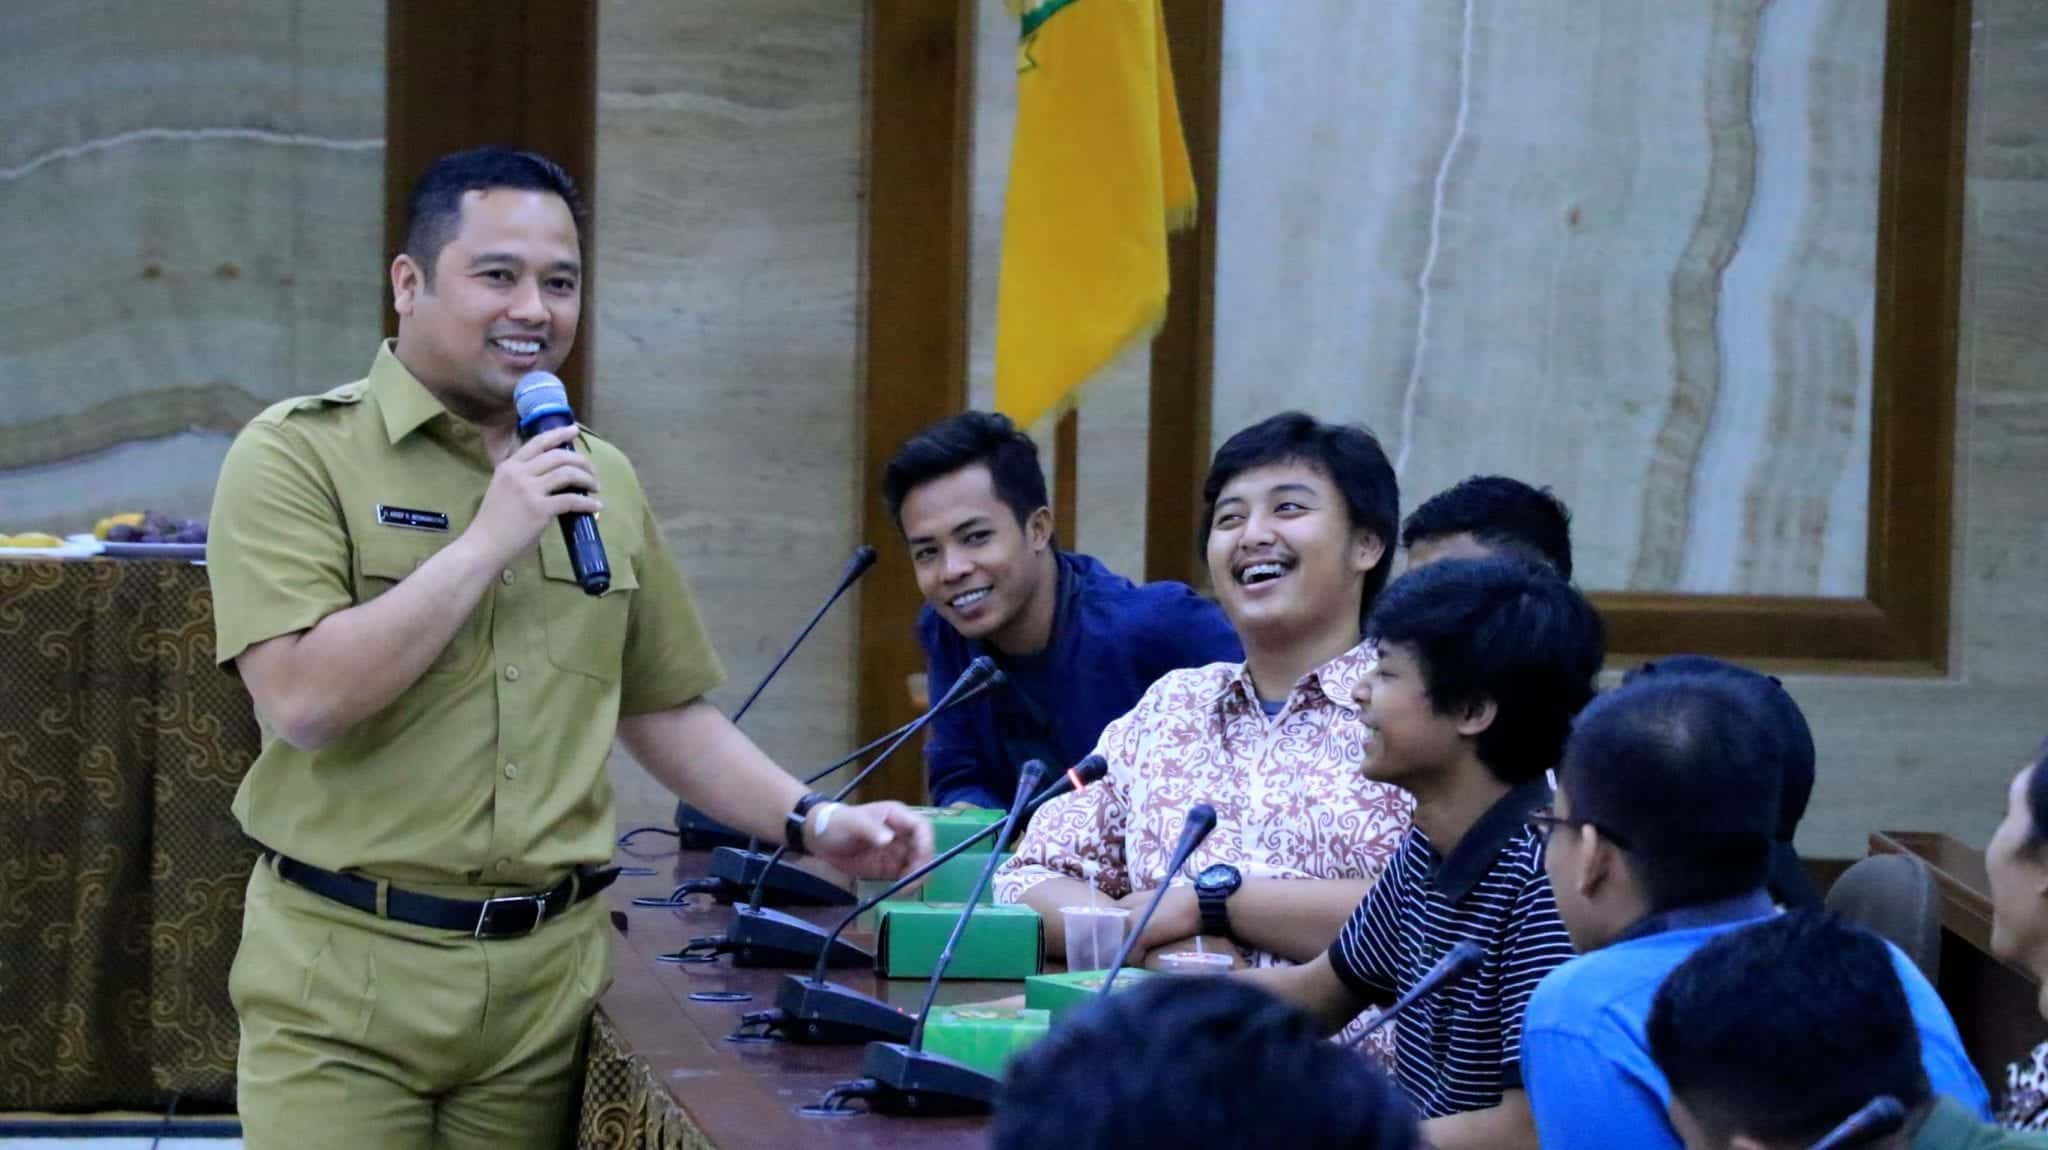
(1202, 816)
(539, 393)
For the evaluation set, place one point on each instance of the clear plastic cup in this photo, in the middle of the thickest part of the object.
(1194, 962)
(1094, 933)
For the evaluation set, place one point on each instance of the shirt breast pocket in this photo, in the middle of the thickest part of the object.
(382, 563)
(587, 633)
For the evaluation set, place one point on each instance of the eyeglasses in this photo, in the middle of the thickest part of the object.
(1547, 821)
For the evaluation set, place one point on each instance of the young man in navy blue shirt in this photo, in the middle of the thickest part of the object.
(1077, 642)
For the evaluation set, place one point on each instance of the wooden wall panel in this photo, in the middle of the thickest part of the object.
(920, 81)
(466, 73)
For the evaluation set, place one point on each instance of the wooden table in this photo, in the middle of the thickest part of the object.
(740, 1095)
(1996, 1006)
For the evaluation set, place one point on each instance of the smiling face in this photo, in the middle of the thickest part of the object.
(505, 299)
(2019, 882)
(1283, 555)
(976, 564)
(1407, 736)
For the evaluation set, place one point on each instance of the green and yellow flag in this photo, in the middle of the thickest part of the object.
(1098, 176)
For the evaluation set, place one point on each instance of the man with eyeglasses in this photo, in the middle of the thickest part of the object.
(1660, 841)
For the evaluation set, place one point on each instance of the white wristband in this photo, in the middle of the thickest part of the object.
(821, 816)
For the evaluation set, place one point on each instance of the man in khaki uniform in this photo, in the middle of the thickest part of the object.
(438, 696)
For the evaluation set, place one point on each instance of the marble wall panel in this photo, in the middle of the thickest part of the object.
(727, 255)
(194, 192)
(1625, 250)
(1114, 411)
(1642, 230)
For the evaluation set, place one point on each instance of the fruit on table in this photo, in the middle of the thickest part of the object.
(152, 528)
(124, 519)
(30, 539)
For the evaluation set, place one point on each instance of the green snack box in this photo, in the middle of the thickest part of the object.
(950, 828)
(1058, 994)
(1000, 941)
(865, 889)
(983, 1037)
(955, 877)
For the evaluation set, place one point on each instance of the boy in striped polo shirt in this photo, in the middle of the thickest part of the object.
(1482, 665)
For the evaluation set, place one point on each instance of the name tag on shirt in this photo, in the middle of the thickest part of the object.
(407, 517)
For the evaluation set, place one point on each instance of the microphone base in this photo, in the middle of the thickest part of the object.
(787, 885)
(918, 1084)
(760, 937)
(700, 832)
(827, 1014)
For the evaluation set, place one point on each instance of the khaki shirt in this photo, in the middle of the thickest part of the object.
(490, 769)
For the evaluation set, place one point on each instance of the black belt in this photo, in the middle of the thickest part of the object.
(507, 916)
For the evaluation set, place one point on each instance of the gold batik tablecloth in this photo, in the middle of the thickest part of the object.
(121, 869)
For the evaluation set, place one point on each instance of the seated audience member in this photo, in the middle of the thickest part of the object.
(1301, 515)
(1205, 1063)
(1491, 515)
(1482, 664)
(1660, 842)
(1078, 643)
(2017, 863)
(1773, 1035)
(1790, 743)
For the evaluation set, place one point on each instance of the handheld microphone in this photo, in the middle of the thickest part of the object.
(902, 1078)
(758, 936)
(1450, 968)
(1200, 821)
(735, 871)
(1879, 1117)
(699, 831)
(543, 405)
(815, 1012)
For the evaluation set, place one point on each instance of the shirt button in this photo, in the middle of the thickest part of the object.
(511, 770)
(502, 866)
(505, 577)
(512, 674)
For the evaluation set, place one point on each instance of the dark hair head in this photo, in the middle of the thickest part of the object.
(1196, 1062)
(1503, 629)
(434, 212)
(2037, 794)
(1348, 455)
(1786, 736)
(961, 441)
(1505, 514)
(1783, 1029)
(1672, 769)
(1787, 741)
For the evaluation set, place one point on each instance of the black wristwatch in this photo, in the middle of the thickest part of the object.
(1213, 888)
(793, 824)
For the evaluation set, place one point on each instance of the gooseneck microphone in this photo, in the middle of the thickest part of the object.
(1200, 821)
(735, 872)
(758, 936)
(863, 558)
(813, 1011)
(1453, 966)
(542, 404)
(699, 831)
(706, 833)
(904, 1078)
(1879, 1117)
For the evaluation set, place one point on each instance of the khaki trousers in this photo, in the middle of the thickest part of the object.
(357, 1031)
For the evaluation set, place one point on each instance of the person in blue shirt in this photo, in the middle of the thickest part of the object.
(1078, 643)
(1659, 842)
